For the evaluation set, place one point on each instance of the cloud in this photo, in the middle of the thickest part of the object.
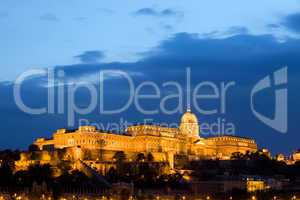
(158, 13)
(209, 58)
(90, 56)
(237, 30)
(292, 22)
(273, 26)
(146, 11)
(239, 52)
(168, 12)
(167, 27)
(49, 17)
(242, 58)
(231, 31)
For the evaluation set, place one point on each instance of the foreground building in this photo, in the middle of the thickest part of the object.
(165, 144)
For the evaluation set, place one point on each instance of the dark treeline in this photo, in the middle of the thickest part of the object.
(144, 172)
(245, 164)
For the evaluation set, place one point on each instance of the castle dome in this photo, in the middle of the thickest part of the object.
(189, 124)
(189, 117)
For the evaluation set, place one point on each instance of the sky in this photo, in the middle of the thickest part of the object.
(220, 41)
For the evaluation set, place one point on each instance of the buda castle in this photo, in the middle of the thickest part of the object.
(164, 143)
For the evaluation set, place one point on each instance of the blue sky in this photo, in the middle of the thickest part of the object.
(48, 33)
(219, 40)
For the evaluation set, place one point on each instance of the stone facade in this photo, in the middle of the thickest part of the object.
(296, 156)
(163, 143)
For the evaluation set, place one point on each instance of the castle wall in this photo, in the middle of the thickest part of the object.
(105, 145)
(164, 143)
(222, 147)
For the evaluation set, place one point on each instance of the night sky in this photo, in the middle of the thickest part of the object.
(151, 41)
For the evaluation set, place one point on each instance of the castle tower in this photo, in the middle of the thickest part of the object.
(189, 125)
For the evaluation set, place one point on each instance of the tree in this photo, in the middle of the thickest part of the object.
(120, 156)
(61, 153)
(8, 157)
(140, 157)
(101, 145)
(34, 152)
(40, 173)
(111, 174)
(64, 166)
(22, 178)
(237, 156)
(150, 157)
(6, 175)
(33, 148)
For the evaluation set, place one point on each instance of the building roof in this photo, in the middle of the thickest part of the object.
(229, 136)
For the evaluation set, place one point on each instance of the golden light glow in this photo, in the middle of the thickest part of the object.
(87, 143)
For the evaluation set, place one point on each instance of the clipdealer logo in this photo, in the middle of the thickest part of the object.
(59, 91)
(278, 83)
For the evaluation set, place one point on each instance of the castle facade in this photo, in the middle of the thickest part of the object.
(162, 142)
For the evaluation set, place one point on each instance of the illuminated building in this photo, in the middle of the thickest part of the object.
(256, 185)
(296, 156)
(164, 143)
(280, 157)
